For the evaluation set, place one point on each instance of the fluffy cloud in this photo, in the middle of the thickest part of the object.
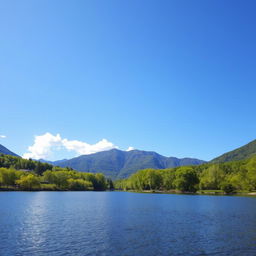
(45, 144)
(2, 136)
(84, 148)
(130, 149)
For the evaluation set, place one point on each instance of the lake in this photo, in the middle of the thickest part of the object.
(125, 224)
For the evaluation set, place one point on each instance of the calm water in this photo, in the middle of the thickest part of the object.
(119, 224)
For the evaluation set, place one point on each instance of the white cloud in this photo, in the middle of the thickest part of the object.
(130, 149)
(84, 148)
(2, 136)
(45, 144)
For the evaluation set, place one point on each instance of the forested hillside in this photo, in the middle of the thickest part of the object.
(229, 177)
(241, 153)
(21, 174)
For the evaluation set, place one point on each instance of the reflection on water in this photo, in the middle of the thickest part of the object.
(33, 230)
(118, 223)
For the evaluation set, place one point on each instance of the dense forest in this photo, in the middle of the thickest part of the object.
(229, 177)
(21, 174)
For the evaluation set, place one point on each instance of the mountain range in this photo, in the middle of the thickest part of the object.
(118, 164)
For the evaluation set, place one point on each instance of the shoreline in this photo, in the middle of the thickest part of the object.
(206, 193)
(173, 192)
(49, 190)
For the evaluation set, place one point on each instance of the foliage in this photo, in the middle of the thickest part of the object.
(19, 163)
(227, 187)
(229, 177)
(18, 173)
(186, 179)
(79, 184)
(211, 177)
(28, 182)
(48, 187)
(8, 177)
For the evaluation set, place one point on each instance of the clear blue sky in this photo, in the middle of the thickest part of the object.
(175, 77)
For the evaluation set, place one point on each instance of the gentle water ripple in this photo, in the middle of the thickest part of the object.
(125, 224)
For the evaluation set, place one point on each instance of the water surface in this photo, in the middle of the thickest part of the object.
(125, 224)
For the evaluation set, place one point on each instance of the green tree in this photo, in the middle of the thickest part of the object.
(61, 179)
(110, 184)
(29, 182)
(227, 187)
(168, 177)
(186, 179)
(100, 182)
(49, 177)
(8, 176)
(79, 184)
(153, 179)
(212, 177)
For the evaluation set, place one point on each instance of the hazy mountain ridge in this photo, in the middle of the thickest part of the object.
(6, 151)
(51, 162)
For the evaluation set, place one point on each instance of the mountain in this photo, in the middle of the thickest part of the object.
(6, 151)
(121, 164)
(241, 153)
(51, 162)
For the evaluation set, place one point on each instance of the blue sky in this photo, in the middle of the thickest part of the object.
(175, 77)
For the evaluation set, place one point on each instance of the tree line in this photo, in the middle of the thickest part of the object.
(229, 177)
(18, 173)
(22, 174)
(19, 163)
